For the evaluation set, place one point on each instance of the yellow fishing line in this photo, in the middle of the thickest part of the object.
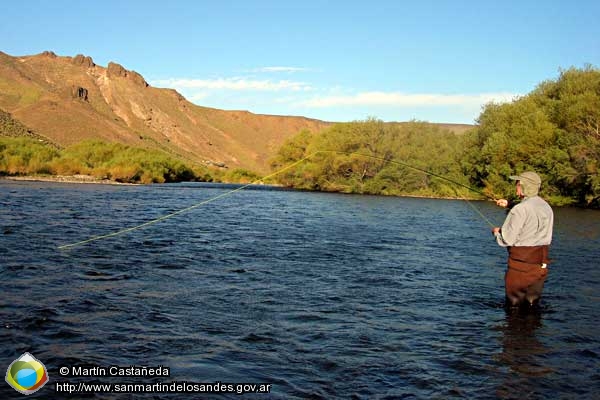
(94, 238)
(122, 231)
(480, 213)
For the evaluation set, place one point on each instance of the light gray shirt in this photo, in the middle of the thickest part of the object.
(529, 223)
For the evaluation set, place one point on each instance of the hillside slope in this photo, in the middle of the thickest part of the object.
(69, 99)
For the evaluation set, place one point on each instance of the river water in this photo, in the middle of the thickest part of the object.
(322, 296)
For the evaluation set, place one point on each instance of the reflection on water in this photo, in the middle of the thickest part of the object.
(523, 353)
(520, 347)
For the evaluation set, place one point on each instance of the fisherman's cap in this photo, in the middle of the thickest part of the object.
(528, 177)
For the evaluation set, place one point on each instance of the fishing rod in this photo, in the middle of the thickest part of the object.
(222, 195)
(429, 173)
(432, 174)
(411, 167)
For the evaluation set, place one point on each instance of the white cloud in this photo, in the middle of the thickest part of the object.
(333, 103)
(406, 100)
(233, 84)
(281, 69)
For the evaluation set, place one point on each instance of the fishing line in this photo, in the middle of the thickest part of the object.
(120, 232)
(483, 217)
(478, 211)
(212, 199)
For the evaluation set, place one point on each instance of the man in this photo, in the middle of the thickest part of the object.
(526, 233)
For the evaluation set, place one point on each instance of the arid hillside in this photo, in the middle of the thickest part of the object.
(64, 100)
(69, 99)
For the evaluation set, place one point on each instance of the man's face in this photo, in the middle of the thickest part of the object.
(519, 190)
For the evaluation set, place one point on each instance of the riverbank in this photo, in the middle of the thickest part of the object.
(79, 178)
(88, 179)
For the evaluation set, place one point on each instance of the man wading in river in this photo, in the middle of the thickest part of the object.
(526, 233)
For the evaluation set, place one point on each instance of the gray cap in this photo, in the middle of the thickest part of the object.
(530, 182)
(528, 177)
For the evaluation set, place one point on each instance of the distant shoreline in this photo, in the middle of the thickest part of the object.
(88, 179)
(65, 179)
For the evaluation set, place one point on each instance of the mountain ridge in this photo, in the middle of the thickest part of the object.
(69, 99)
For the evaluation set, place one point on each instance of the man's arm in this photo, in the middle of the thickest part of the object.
(508, 235)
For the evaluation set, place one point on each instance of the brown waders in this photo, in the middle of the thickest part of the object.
(526, 273)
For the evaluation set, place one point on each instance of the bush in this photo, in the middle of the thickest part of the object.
(240, 175)
(115, 161)
(20, 156)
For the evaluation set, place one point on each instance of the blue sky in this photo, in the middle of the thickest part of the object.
(436, 61)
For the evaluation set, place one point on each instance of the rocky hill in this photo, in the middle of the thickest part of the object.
(64, 100)
(68, 99)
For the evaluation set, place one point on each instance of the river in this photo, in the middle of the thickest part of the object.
(320, 295)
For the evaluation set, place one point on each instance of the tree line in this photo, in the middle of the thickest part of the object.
(554, 130)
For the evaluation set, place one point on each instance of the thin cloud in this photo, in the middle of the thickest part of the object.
(406, 100)
(281, 69)
(234, 84)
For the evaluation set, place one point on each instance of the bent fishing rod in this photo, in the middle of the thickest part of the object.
(222, 195)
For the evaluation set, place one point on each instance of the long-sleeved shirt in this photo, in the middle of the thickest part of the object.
(529, 223)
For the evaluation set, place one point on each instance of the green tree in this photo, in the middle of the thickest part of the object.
(552, 130)
(373, 157)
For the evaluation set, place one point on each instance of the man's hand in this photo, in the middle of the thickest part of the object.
(495, 230)
(502, 203)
